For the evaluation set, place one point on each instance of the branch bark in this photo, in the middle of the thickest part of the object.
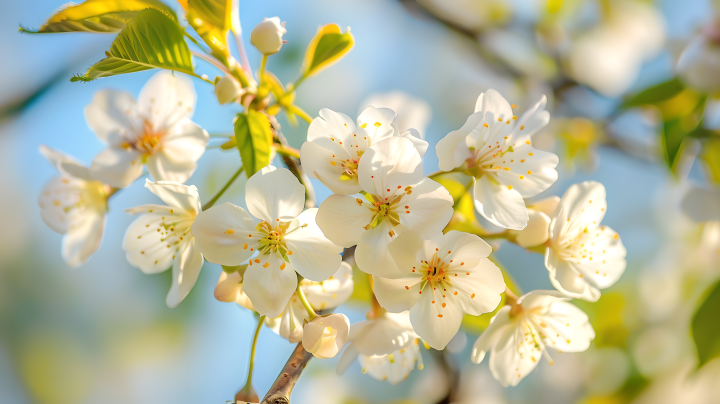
(280, 390)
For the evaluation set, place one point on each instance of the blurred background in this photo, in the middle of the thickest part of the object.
(102, 332)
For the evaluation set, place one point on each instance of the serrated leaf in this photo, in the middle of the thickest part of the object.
(254, 140)
(327, 47)
(150, 40)
(212, 20)
(705, 326)
(657, 93)
(98, 16)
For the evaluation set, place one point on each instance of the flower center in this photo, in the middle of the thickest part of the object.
(273, 240)
(386, 209)
(147, 144)
(435, 270)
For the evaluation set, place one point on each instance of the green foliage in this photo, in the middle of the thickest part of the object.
(150, 40)
(710, 155)
(655, 94)
(705, 326)
(463, 218)
(254, 140)
(327, 47)
(211, 19)
(98, 16)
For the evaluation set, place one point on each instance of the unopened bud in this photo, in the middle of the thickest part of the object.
(267, 36)
(227, 90)
(324, 336)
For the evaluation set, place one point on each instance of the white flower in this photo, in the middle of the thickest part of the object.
(336, 145)
(75, 205)
(155, 130)
(287, 240)
(267, 36)
(227, 89)
(699, 62)
(536, 231)
(583, 256)
(442, 279)
(325, 335)
(386, 346)
(411, 112)
(518, 336)
(327, 294)
(498, 152)
(161, 237)
(391, 174)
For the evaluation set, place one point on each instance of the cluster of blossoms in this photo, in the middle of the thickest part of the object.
(286, 262)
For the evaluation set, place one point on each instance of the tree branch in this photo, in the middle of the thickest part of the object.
(279, 392)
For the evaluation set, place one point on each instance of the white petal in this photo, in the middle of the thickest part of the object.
(185, 197)
(290, 324)
(274, 195)
(186, 269)
(372, 255)
(117, 167)
(332, 130)
(66, 202)
(392, 294)
(429, 208)
(491, 101)
(515, 355)
(332, 292)
(313, 256)
(166, 99)
(491, 335)
(181, 148)
(268, 286)
(568, 327)
(501, 206)
(384, 335)
(479, 292)
(222, 234)
(407, 252)
(436, 319)
(531, 171)
(567, 280)
(82, 241)
(534, 119)
(325, 335)
(346, 359)
(389, 164)
(66, 163)
(452, 150)
(161, 168)
(414, 136)
(582, 206)
(316, 162)
(342, 220)
(379, 123)
(111, 114)
(145, 246)
(702, 205)
(547, 205)
(536, 231)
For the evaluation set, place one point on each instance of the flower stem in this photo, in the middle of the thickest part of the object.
(251, 364)
(287, 151)
(305, 303)
(263, 65)
(222, 191)
(299, 112)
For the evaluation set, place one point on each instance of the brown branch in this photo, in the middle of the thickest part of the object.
(279, 392)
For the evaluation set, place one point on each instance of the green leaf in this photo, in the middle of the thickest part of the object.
(212, 20)
(150, 40)
(710, 155)
(705, 326)
(254, 140)
(655, 94)
(327, 47)
(672, 139)
(677, 129)
(99, 16)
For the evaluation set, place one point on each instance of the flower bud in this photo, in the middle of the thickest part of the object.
(227, 90)
(325, 335)
(267, 36)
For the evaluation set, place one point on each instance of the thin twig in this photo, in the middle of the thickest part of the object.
(296, 169)
(212, 61)
(280, 390)
(222, 191)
